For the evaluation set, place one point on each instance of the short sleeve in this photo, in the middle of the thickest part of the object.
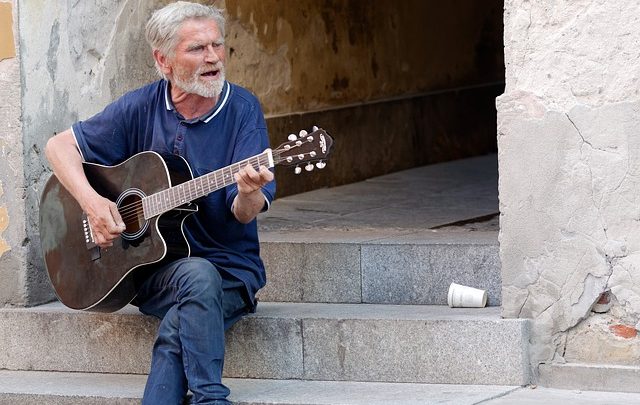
(251, 142)
(102, 138)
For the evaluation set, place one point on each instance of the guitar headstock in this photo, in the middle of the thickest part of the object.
(306, 148)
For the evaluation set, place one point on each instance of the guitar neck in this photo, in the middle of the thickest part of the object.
(173, 197)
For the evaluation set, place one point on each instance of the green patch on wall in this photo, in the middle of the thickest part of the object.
(7, 46)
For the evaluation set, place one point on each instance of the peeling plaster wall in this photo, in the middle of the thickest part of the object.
(569, 159)
(76, 57)
(326, 53)
(12, 212)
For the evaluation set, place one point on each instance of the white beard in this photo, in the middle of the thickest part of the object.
(193, 84)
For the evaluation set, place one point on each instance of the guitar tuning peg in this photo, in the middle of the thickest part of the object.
(309, 167)
(292, 137)
(303, 133)
(315, 128)
(297, 170)
(321, 165)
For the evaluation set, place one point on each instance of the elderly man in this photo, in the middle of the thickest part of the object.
(195, 113)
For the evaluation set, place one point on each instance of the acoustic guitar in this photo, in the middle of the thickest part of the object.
(154, 194)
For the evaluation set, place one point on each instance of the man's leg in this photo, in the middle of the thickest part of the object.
(188, 295)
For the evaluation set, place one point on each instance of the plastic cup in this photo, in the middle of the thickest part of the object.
(461, 296)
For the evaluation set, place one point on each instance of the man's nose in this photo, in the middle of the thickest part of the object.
(211, 55)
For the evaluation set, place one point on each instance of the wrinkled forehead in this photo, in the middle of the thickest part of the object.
(199, 29)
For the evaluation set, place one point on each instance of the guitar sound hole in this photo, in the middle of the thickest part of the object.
(130, 208)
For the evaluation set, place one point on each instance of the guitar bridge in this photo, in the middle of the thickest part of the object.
(88, 233)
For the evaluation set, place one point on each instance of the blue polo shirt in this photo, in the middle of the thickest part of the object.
(146, 120)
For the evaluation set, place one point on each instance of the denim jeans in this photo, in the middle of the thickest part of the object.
(195, 305)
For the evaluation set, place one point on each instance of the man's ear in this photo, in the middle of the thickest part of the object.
(162, 62)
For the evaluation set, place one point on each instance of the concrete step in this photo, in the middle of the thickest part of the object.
(378, 267)
(342, 342)
(400, 239)
(583, 376)
(36, 388)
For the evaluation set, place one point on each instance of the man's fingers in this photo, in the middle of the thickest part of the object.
(118, 223)
(249, 179)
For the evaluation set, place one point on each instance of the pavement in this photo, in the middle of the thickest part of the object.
(33, 387)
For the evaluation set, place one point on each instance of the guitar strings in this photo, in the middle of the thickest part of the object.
(133, 210)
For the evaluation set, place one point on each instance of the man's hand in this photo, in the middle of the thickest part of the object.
(104, 218)
(250, 200)
(66, 161)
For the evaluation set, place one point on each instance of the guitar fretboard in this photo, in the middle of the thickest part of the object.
(173, 197)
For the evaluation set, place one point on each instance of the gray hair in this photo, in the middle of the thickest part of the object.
(162, 27)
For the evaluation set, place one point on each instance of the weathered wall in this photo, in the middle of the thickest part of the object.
(312, 54)
(76, 57)
(433, 68)
(13, 238)
(569, 158)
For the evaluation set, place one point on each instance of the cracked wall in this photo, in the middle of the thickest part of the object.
(75, 58)
(12, 213)
(569, 158)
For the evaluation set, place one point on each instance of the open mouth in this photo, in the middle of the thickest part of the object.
(212, 73)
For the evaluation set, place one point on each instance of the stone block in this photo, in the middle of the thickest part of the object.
(54, 338)
(590, 377)
(264, 348)
(434, 351)
(312, 272)
(420, 273)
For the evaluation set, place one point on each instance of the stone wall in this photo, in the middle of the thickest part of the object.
(398, 84)
(75, 58)
(13, 237)
(569, 159)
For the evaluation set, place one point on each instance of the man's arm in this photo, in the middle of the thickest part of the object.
(250, 200)
(66, 162)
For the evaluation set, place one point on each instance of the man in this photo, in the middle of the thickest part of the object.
(192, 112)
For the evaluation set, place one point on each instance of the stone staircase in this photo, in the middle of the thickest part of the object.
(354, 311)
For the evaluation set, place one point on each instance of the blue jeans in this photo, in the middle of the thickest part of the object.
(196, 304)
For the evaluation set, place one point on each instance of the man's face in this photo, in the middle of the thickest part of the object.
(197, 65)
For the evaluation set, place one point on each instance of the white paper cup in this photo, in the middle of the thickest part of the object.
(461, 296)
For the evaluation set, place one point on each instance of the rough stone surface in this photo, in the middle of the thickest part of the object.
(36, 388)
(312, 272)
(421, 273)
(51, 337)
(268, 347)
(615, 343)
(345, 52)
(397, 350)
(569, 162)
(592, 376)
(284, 341)
(75, 58)
(13, 237)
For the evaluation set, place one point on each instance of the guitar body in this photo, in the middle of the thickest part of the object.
(85, 276)
(154, 195)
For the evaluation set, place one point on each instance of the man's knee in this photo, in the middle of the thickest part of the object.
(200, 275)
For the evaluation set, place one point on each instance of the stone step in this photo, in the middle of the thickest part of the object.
(37, 388)
(342, 342)
(400, 238)
(376, 267)
(584, 376)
